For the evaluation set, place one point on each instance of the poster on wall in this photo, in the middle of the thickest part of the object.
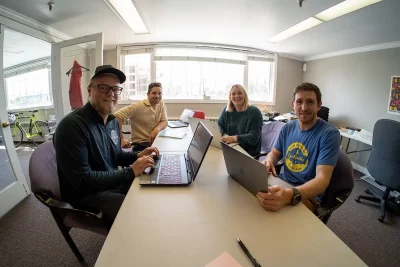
(394, 96)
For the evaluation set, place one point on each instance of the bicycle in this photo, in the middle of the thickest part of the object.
(36, 133)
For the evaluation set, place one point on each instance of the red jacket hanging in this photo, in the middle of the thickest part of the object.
(75, 91)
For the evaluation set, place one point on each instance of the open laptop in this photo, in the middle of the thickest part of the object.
(180, 168)
(247, 171)
(183, 120)
(211, 126)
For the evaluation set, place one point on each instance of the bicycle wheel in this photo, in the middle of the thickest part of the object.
(17, 134)
(40, 132)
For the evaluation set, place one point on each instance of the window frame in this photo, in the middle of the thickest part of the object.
(255, 55)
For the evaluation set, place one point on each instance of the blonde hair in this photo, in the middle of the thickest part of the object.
(230, 107)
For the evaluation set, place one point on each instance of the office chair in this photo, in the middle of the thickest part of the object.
(384, 164)
(45, 185)
(323, 113)
(199, 114)
(269, 134)
(339, 188)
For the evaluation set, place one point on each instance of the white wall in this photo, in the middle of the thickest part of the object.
(356, 89)
(110, 57)
(289, 76)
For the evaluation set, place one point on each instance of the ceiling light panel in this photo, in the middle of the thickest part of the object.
(344, 8)
(128, 12)
(299, 27)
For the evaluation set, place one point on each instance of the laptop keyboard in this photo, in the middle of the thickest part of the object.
(170, 169)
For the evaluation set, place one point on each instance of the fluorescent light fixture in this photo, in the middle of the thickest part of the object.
(344, 8)
(299, 27)
(127, 11)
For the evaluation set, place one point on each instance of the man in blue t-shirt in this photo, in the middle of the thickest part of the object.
(310, 148)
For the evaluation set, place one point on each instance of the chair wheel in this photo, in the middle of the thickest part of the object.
(367, 191)
(357, 199)
(380, 218)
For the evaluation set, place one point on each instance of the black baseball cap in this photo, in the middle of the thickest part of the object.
(108, 69)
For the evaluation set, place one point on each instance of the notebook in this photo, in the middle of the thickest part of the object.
(183, 120)
(172, 134)
(179, 168)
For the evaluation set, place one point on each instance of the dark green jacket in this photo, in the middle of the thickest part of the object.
(247, 125)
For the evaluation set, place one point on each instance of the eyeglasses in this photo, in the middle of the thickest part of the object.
(104, 88)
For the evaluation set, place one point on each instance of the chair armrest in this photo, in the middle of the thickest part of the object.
(256, 157)
(126, 132)
(60, 205)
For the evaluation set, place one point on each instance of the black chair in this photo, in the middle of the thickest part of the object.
(384, 164)
(46, 187)
(135, 146)
(339, 188)
(323, 113)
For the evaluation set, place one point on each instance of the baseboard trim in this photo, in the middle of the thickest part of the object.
(360, 168)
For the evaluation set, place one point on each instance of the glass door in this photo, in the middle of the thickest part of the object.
(13, 185)
(87, 52)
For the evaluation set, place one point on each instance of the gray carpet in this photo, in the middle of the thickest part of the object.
(376, 243)
(29, 235)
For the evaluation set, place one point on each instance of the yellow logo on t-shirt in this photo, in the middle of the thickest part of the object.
(296, 158)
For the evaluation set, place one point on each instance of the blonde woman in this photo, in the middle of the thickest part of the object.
(240, 122)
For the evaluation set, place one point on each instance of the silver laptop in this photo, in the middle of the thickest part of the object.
(183, 120)
(247, 171)
(180, 168)
(211, 126)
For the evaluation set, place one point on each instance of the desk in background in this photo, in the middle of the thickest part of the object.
(355, 165)
(191, 226)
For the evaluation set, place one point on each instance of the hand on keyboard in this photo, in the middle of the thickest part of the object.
(141, 164)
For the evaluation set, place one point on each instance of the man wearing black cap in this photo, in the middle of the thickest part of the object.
(88, 149)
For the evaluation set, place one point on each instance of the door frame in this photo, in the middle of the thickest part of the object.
(17, 191)
(9, 19)
(60, 97)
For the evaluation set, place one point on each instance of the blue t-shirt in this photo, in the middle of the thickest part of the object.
(303, 151)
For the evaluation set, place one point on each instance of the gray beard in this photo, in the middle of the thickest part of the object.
(102, 110)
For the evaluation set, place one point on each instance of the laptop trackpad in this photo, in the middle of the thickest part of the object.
(150, 174)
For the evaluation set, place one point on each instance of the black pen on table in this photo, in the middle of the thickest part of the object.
(253, 260)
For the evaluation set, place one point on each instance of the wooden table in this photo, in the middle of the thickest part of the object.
(191, 226)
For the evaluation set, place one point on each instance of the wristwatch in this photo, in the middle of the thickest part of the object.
(296, 197)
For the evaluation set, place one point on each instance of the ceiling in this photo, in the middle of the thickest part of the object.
(233, 22)
(20, 48)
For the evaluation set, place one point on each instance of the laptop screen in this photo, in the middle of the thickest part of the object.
(199, 146)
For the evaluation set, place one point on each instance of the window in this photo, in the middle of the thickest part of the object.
(194, 80)
(260, 84)
(28, 90)
(198, 73)
(137, 70)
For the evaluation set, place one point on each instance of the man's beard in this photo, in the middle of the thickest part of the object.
(101, 109)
